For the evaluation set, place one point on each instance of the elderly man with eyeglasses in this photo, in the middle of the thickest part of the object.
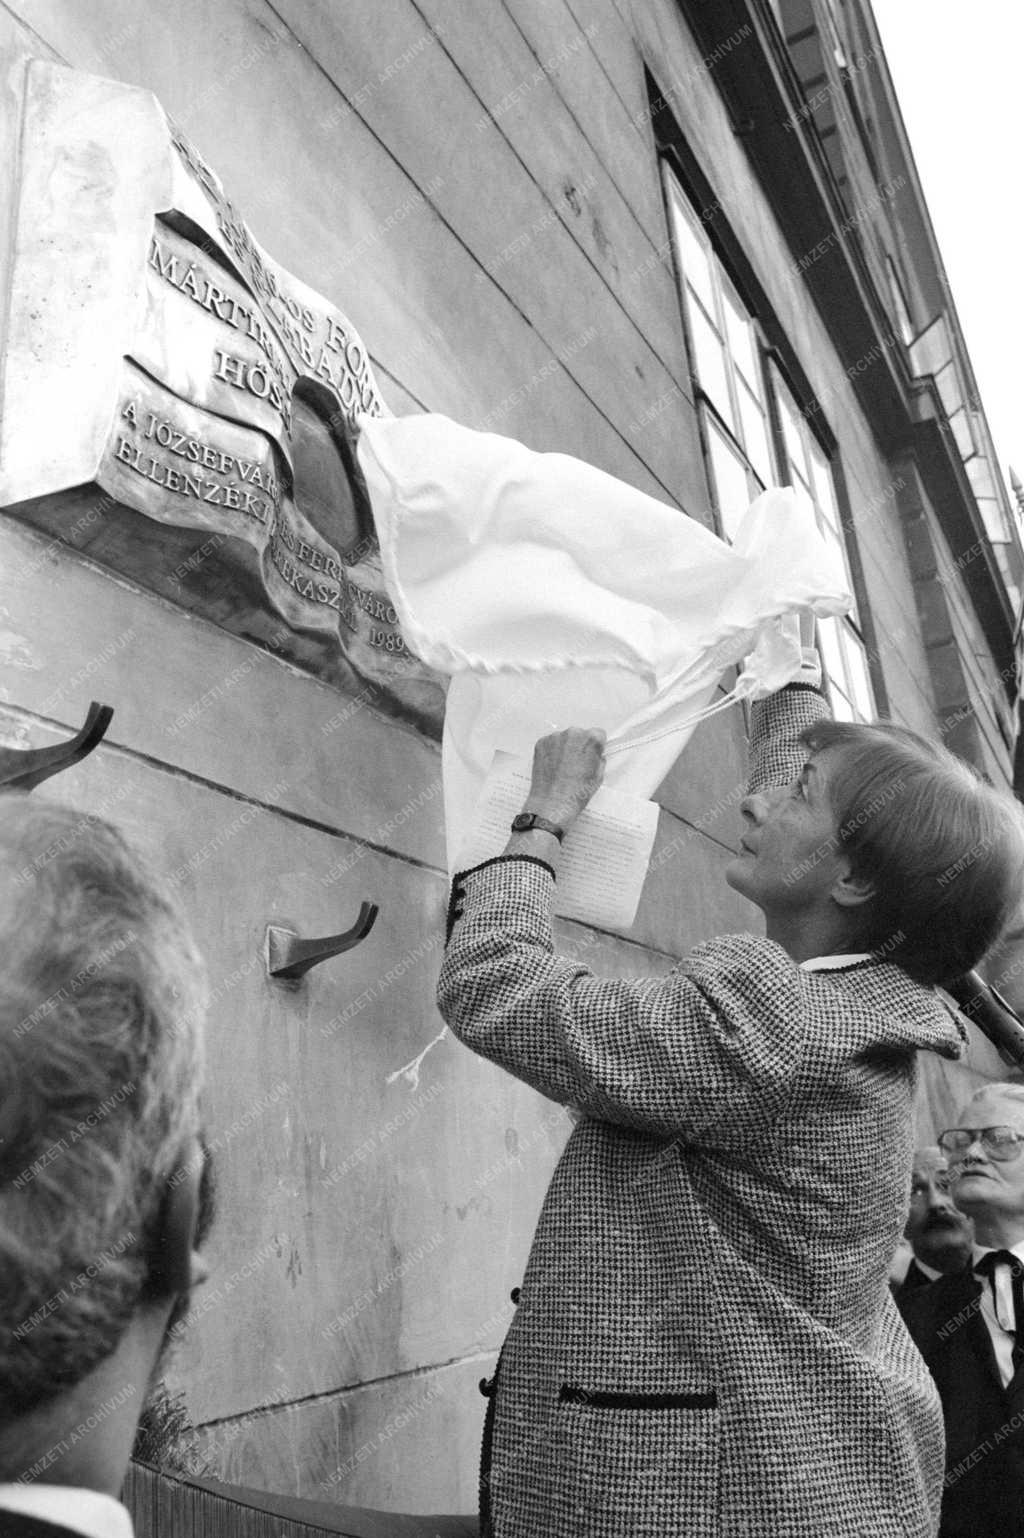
(969, 1327)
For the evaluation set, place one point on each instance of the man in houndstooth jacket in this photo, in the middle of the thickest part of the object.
(705, 1342)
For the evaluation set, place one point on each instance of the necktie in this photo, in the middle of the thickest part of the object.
(987, 1267)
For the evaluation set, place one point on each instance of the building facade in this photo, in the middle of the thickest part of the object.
(682, 240)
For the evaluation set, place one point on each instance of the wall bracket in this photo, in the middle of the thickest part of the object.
(290, 957)
(25, 768)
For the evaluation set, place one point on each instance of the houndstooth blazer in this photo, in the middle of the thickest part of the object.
(705, 1344)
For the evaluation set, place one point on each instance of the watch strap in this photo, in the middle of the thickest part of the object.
(526, 822)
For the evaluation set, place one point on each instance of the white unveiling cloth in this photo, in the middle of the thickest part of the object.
(87, 1512)
(556, 595)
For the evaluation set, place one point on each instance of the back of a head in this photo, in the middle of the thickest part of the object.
(943, 850)
(101, 1002)
(1007, 1093)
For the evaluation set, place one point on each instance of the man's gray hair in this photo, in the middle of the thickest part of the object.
(102, 997)
(1011, 1089)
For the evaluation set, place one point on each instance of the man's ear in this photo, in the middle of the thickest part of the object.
(171, 1257)
(850, 891)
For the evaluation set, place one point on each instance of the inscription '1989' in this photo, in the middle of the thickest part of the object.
(389, 641)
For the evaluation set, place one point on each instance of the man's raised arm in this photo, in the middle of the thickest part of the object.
(776, 755)
(707, 1053)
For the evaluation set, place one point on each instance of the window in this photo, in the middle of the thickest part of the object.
(806, 465)
(835, 33)
(899, 303)
(725, 354)
(735, 396)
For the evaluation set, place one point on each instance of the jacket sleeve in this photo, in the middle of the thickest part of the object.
(708, 1054)
(776, 754)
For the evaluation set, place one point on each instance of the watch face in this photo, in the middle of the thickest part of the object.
(522, 822)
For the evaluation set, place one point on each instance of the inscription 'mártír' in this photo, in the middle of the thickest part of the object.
(272, 382)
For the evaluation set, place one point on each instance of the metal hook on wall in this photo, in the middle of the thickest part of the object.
(25, 768)
(290, 957)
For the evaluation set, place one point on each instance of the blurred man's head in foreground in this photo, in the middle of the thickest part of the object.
(102, 996)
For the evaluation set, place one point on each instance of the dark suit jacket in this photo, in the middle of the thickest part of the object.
(983, 1495)
(914, 1279)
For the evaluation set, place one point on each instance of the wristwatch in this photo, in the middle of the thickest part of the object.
(524, 821)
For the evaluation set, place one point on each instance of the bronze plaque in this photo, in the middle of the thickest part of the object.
(159, 356)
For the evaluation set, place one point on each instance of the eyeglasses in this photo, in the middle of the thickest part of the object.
(1000, 1143)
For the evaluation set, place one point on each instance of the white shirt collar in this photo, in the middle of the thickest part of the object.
(833, 963)
(83, 1511)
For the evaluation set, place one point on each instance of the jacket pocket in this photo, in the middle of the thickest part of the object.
(600, 1399)
(643, 1464)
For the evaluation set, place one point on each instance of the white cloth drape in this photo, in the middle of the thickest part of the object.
(559, 596)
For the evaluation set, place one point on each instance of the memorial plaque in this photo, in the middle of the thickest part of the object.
(158, 357)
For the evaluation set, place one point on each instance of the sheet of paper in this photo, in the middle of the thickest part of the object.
(604, 856)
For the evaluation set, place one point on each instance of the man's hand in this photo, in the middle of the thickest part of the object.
(567, 769)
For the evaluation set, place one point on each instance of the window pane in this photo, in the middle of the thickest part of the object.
(710, 361)
(792, 422)
(948, 385)
(830, 634)
(842, 708)
(755, 435)
(824, 492)
(960, 422)
(832, 650)
(690, 250)
(899, 303)
(732, 490)
(858, 675)
(741, 341)
(837, 545)
(797, 474)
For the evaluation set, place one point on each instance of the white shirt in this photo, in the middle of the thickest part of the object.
(83, 1511)
(834, 963)
(998, 1312)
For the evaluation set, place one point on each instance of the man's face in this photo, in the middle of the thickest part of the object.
(789, 852)
(938, 1233)
(983, 1184)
